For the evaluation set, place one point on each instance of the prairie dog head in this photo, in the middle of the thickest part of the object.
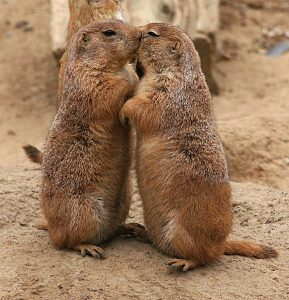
(106, 45)
(165, 48)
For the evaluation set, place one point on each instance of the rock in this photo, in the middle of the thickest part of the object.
(257, 149)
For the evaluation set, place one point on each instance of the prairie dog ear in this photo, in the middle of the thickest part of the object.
(85, 39)
(175, 47)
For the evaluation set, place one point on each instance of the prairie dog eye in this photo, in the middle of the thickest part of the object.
(109, 33)
(153, 34)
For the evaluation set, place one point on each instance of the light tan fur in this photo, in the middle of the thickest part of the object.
(180, 163)
(85, 191)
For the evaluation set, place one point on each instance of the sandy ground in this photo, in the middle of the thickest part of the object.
(32, 269)
(253, 116)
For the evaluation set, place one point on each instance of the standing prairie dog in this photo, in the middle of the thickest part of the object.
(180, 164)
(85, 191)
(82, 13)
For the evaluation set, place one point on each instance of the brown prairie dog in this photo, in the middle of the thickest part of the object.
(180, 164)
(82, 13)
(85, 191)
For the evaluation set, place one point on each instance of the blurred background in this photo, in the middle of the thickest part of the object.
(244, 49)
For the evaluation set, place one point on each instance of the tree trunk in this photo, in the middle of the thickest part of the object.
(58, 28)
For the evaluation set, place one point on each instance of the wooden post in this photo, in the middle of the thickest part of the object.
(58, 28)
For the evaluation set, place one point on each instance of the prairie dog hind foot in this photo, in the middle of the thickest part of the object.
(134, 230)
(91, 250)
(181, 264)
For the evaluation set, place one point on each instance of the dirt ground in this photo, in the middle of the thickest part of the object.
(253, 116)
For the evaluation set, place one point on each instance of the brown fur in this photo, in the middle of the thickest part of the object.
(180, 163)
(82, 13)
(85, 193)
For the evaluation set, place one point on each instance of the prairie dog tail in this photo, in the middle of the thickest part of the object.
(33, 154)
(249, 249)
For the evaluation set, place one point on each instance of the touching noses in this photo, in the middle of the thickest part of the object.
(141, 30)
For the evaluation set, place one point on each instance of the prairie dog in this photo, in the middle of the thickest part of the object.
(180, 163)
(85, 191)
(83, 12)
